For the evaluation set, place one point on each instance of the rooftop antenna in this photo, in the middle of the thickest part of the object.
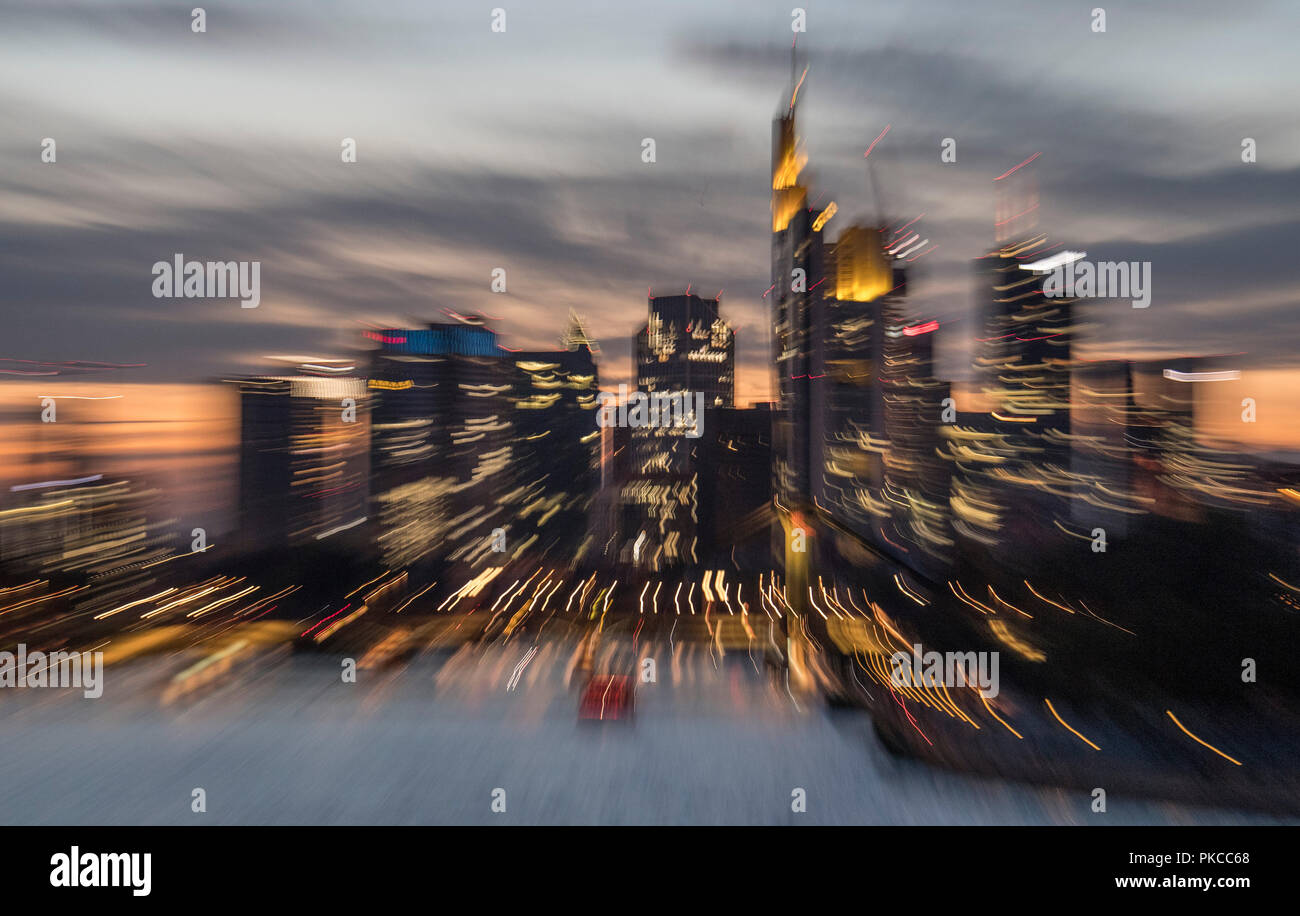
(795, 81)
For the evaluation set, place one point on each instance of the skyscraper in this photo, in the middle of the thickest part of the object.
(304, 459)
(687, 346)
(859, 406)
(443, 450)
(556, 442)
(798, 273)
(471, 437)
(1019, 454)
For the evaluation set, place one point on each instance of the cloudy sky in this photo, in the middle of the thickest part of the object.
(522, 150)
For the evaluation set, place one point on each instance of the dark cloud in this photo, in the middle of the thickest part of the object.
(540, 173)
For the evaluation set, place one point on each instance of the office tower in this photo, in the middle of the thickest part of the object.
(442, 449)
(860, 409)
(556, 444)
(610, 516)
(735, 501)
(721, 508)
(87, 526)
(848, 478)
(411, 499)
(1106, 427)
(106, 533)
(798, 285)
(880, 477)
(1139, 450)
(916, 478)
(686, 346)
(1198, 471)
(304, 460)
(1012, 465)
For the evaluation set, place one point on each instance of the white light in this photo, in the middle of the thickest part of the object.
(1047, 265)
(904, 252)
(1227, 375)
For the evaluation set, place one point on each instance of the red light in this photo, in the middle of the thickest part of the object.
(877, 140)
(1022, 165)
(901, 228)
(918, 329)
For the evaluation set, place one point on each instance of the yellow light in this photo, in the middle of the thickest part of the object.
(1198, 740)
(1072, 731)
(862, 272)
(822, 218)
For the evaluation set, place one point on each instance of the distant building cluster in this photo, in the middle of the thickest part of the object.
(450, 448)
(1055, 447)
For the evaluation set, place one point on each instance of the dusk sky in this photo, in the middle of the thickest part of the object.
(522, 150)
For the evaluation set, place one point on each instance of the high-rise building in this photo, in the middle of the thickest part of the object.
(735, 515)
(687, 349)
(304, 459)
(1105, 429)
(916, 478)
(1012, 466)
(799, 272)
(556, 443)
(471, 437)
(859, 407)
(847, 391)
(443, 449)
(687, 346)
(88, 526)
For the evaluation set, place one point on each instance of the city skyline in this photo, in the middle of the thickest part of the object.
(691, 414)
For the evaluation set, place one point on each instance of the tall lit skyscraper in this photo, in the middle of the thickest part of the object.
(470, 436)
(443, 440)
(556, 443)
(687, 346)
(1019, 453)
(859, 406)
(798, 273)
(848, 478)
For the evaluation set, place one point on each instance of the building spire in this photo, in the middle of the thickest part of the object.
(576, 336)
(796, 80)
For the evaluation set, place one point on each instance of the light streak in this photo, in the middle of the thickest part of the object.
(999, 718)
(1066, 724)
(877, 140)
(1227, 375)
(1018, 167)
(1198, 740)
